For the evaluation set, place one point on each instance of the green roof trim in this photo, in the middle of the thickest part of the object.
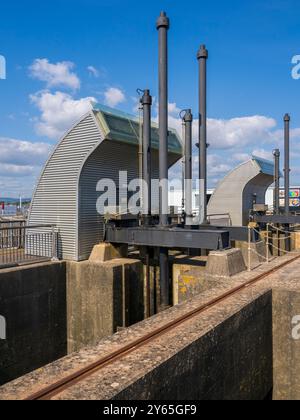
(265, 166)
(122, 127)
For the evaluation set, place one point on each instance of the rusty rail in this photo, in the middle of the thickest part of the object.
(62, 385)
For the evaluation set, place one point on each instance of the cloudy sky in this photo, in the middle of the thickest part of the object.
(63, 55)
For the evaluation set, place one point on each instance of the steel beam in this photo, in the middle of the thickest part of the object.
(169, 238)
(236, 233)
(281, 219)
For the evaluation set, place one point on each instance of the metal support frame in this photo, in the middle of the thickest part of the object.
(202, 57)
(276, 154)
(281, 219)
(169, 238)
(236, 233)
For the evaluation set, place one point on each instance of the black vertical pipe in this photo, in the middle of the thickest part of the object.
(188, 132)
(146, 101)
(287, 120)
(276, 154)
(202, 57)
(163, 25)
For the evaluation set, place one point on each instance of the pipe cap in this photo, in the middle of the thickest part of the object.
(202, 52)
(188, 117)
(287, 118)
(146, 98)
(163, 21)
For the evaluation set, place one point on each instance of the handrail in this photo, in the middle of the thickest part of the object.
(27, 227)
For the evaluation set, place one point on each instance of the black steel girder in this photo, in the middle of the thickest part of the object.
(282, 220)
(171, 238)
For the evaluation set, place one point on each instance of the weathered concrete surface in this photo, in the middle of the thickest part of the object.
(105, 252)
(224, 264)
(101, 298)
(33, 302)
(286, 333)
(188, 278)
(231, 361)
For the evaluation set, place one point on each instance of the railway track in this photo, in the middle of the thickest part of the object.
(64, 384)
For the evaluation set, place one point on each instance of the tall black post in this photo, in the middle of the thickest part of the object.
(163, 25)
(276, 154)
(188, 130)
(202, 57)
(147, 103)
(287, 120)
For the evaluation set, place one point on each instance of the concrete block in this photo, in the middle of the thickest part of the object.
(102, 298)
(224, 264)
(258, 253)
(295, 241)
(188, 278)
(105, 252)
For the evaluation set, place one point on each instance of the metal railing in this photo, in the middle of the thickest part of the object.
(27, 244)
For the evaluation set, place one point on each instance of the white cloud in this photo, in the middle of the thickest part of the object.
(173, 109)
(93, 71)
(23, 153)
(114, 96)
(240, 132)
(20, 164)
(15, 170)
(55, 75)
(59, 111)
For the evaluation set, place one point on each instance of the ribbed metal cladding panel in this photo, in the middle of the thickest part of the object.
(55, 198)
(106, 162)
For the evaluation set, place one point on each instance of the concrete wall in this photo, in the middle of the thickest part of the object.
(286, 309)
(231, 362)
(33, 302)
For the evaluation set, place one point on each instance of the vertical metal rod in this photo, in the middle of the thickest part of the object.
(202, 57)
(287, 120)
(268, 243)
(163, 25)
(188, 120)
(249, 248)
(276, 154)
(146, 102)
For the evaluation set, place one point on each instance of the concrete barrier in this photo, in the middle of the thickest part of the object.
(257, 253)
(225, 264)
(33, 304)
(188, 278)
(102, 298)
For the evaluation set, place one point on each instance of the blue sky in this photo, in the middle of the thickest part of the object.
(60, 54)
